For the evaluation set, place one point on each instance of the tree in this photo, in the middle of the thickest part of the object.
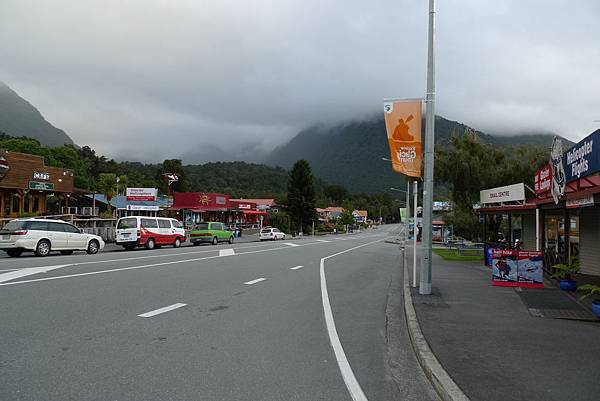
(107, 185)
(301, 196)
(346, 217)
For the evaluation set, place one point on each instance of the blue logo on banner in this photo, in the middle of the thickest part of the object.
(583, 159)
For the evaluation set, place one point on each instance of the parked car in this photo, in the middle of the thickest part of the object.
(150, 232)
(211, 232)
(44, 236)
(270, 233)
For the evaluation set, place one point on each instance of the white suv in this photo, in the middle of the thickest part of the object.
(43, 236)
(269, 233)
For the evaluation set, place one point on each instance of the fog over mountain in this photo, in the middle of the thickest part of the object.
(150, 79)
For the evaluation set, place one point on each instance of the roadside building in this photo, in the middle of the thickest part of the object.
(28, 186)
(195, 207)
(360, 216)
(329, 213)
(562, 217)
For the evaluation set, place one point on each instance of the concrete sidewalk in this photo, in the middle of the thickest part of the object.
(492, 345)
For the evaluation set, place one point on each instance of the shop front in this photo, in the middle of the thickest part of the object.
(28, 187)
(195, 207)
(562, 218)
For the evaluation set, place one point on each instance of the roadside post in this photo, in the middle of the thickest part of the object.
(415, 189)
(425, 279)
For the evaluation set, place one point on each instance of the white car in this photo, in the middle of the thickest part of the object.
(270, 233)
(42, 236)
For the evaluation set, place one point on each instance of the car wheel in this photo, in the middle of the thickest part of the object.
(150, 244)
(215, 241)
(177, 243)
(231, 240)
(42, 248)
(66, 252)
(93, 247)
(13, 253)
(283, 236)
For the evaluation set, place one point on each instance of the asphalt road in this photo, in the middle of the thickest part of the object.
(242, 322)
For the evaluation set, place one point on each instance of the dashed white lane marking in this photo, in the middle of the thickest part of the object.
(296, 267)
(322, 240)
(290, 244)
(258, 280)
(226, 252)
(347, 374)
(162, 310)
(28, 272)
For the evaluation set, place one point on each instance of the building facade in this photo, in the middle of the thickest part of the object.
(26, 184)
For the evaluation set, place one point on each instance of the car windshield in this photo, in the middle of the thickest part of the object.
(127, 223)
(15, 225)
(202, 226)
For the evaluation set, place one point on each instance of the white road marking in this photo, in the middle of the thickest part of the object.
(226, 252)
(8, 270)
(322, 240)
(145, 266)
(162, 310)
(290, 244)
(258, 280)
(348, 375)
(296, 267)
(28, 272)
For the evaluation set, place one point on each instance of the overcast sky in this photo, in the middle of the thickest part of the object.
(150, 79)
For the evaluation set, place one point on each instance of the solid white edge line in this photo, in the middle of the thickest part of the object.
(162, 310)
(296, 267)
(347, 374)
(290, 244)
(258, 280)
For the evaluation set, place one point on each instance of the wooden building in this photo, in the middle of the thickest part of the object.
(26, 183)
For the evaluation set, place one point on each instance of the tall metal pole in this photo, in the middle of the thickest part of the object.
(406, 223)
(416, 202)
(425, 280)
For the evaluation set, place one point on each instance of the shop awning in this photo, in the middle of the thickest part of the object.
(255, 212)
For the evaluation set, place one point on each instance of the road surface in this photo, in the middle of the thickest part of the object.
(287, 320)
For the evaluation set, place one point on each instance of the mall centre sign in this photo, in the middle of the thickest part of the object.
(508, 193)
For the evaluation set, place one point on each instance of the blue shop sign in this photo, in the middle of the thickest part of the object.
(583, 159)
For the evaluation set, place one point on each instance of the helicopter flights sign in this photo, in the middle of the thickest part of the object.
(514, 268)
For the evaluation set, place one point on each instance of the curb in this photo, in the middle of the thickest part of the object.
(441, 381)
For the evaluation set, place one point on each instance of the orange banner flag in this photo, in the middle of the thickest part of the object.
(403, 124)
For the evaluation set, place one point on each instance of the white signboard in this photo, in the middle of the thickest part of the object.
(580, 202)
(509, 193)
(141, 207)
(141, 194)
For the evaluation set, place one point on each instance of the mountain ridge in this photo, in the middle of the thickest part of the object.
(19, 118)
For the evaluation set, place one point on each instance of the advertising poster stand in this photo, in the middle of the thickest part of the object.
(512, 268)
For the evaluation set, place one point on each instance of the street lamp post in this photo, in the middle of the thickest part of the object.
(425, 281)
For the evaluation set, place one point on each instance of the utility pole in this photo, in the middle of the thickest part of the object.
(425, 280)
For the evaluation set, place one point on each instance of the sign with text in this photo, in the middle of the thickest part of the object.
(530, 269)
(141, 194)
(403, 122)
(583, 159)
(543, 179)
(505, 267)
(508, 193)
(143, 207)
(580, 202)
(41, 186)
(41, 176)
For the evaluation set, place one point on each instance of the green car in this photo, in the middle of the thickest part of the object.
(212, 232)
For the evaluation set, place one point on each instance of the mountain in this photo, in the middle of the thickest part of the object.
(18, 118)
(349, 154)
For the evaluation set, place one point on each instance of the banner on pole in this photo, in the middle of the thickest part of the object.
(403, 215)
(403, 125)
